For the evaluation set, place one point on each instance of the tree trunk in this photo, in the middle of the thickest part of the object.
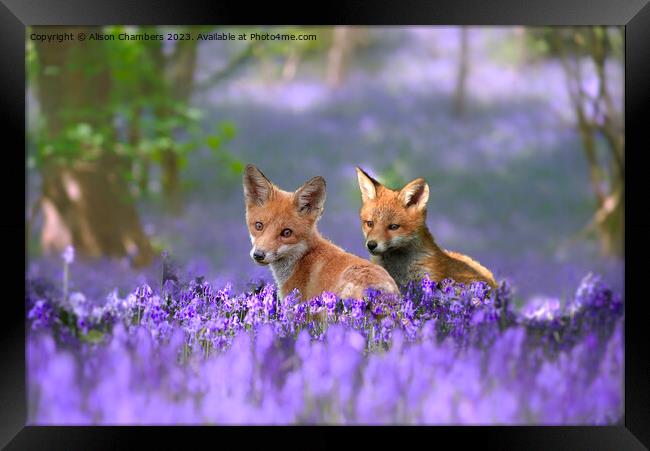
(88, 205)
(463, 69)
(140, 162)
(338, 55)
(84, 204)
(144, 167)
(611, 214)
(610, 223)
(291, 65)
(608, 220)
(171, 181)
(179, 77)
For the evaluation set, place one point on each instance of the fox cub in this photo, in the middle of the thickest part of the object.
(282, 227)
(396, 234)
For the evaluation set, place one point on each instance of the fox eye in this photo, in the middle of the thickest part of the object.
(393, 227)
(258, 225)
(370, 224)
(286, 233)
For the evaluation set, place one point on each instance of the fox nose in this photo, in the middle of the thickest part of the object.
(371, 245)
(259, 255)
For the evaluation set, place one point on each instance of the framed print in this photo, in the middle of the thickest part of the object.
(406, 216)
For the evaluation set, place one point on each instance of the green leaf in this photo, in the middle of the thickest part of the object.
(93, 336)
(228, 129)
(237, 166)
(164, 143)
(214, 142)
(67, 319)
(194, 114)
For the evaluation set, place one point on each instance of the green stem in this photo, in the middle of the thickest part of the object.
(65, 281)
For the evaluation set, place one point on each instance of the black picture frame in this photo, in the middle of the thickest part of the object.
(15, 15)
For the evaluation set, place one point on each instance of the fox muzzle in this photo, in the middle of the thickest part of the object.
(259, 256)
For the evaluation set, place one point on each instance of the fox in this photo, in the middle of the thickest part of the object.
(394, 227)
(284, 235)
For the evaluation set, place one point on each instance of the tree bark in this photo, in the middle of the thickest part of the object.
(84, 203)
(338, 55)
(463, 70)
(611, 213)
(140, 163)
(290, 66)
(178, 72)
(608, 220)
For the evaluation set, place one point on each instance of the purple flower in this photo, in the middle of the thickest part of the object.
(68, 255)
(449, 355)
(40, 314)
(428, 285)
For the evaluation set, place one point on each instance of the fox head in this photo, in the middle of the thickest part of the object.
(391, 219)
(281, 224)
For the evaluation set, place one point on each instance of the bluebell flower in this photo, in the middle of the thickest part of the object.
(68, 255)
(41, 314)
(450, 353)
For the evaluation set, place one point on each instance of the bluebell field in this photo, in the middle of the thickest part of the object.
(188, 352)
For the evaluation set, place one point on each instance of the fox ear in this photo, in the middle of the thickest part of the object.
(367, 185)
(415, 194)
(257, 188)
(310, 197)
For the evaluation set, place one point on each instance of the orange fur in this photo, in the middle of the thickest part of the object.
(409, 251)
(304, 260)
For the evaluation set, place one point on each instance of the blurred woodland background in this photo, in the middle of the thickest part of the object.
(137, 147)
